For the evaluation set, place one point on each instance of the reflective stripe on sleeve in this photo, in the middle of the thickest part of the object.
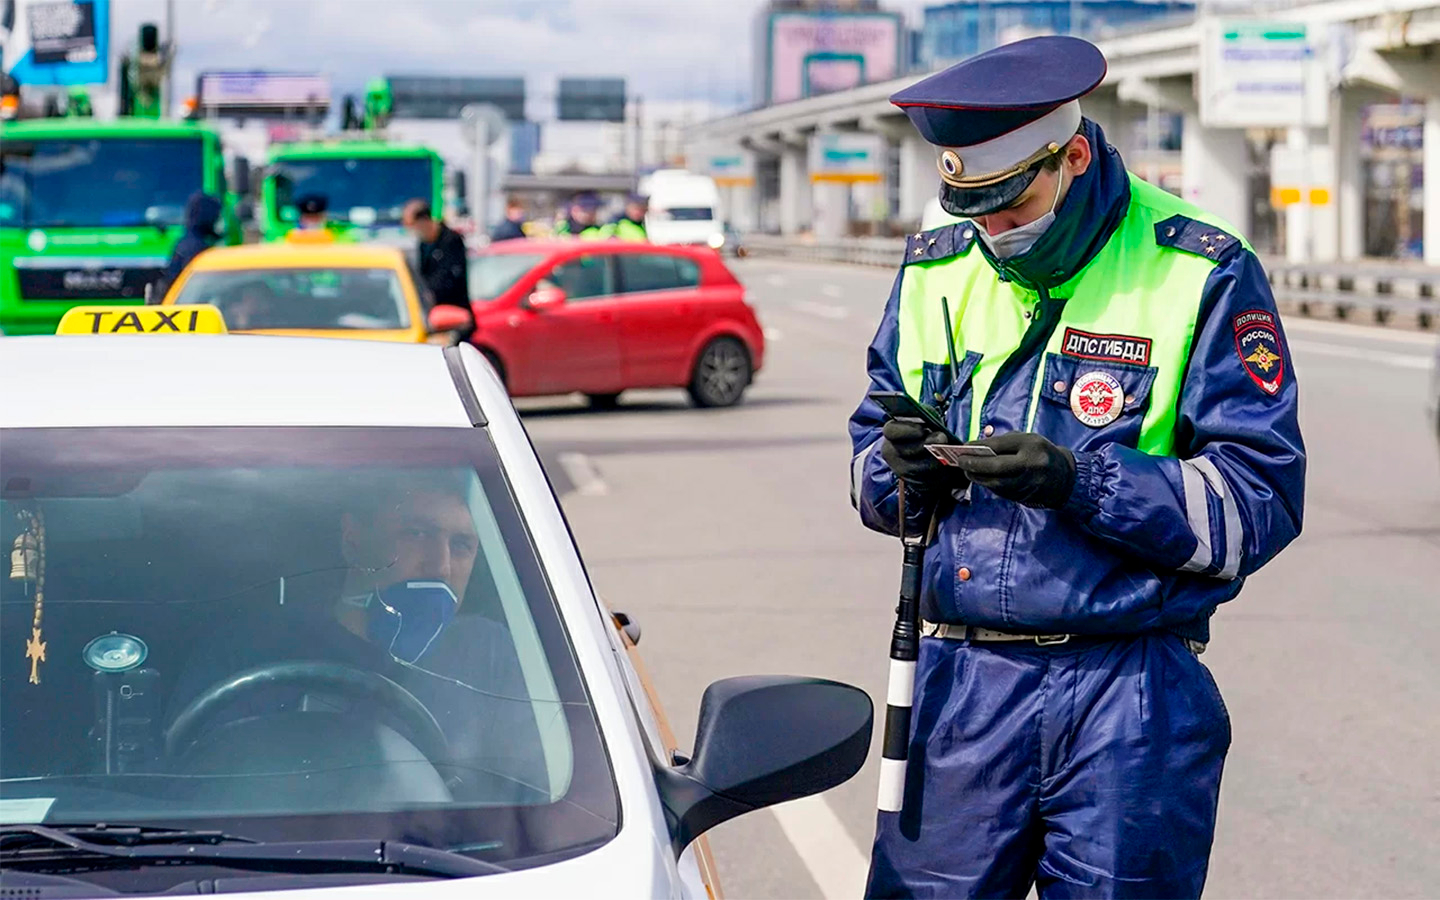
(1197, 510)
(1234, 528)
(857, 472)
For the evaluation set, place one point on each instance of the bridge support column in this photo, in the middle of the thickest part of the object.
(919, 179)
(831, 203)
(795, 203)
(1311, 228)
(1215, 164)
(1431, 190)
(1349, 198)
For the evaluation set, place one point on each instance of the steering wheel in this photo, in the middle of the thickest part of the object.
(367, 688)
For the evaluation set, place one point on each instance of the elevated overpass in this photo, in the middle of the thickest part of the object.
(1377, 50)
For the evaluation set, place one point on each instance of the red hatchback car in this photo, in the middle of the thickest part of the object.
(599, 317)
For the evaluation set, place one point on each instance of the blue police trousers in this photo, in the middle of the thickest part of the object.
(1088, 770)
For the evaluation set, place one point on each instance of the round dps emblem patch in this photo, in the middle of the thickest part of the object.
(1096, 399)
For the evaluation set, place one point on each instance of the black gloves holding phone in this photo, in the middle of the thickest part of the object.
(904, 452)
(1026, 468)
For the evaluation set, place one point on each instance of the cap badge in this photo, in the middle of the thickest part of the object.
(1097, 399)
(951, 165)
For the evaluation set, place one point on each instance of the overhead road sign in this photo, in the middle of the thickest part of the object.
(591, 100)
(443, 97)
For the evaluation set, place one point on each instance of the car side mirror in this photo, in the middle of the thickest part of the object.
(445, 318)
(545, 298)
(763, 740)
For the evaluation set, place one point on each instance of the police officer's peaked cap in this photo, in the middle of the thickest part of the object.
(587, 200)
(998, 115)
(311, 204)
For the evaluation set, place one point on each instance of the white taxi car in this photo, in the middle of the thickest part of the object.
(302, 614)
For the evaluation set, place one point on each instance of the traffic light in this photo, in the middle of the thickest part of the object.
(142, 75)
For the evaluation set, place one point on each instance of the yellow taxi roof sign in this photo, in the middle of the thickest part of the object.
(192, 318)
(310, 236)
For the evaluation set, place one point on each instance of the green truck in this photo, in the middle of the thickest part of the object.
(90, 210)
(365, 181)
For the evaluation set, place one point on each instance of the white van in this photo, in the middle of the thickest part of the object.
(683, 208)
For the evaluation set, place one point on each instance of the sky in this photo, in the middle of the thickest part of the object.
(666, 49)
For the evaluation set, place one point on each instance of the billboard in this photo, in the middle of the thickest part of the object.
(1261, 74)
(59, 42)
(262, 94)
(591, 100)
(816, 52)
(442, 97)
(730, 167)
(849, 157)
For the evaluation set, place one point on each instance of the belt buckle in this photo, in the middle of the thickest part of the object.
(1051, 640)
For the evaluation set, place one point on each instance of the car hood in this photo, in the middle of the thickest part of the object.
(631, 865)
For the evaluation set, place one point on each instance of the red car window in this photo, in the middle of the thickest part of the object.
(656, 272)
(588, 275)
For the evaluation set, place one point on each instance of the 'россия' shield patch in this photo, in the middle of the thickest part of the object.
(1258, 341)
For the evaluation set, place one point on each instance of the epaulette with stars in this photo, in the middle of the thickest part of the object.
(939, 243)
(1194, 236)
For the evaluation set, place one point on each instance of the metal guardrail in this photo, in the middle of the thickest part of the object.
(1383, 293)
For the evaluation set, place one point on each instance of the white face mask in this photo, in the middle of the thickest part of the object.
(1019, 240)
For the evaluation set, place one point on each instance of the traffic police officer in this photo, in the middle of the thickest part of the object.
(1120, 352)
(630, 225)
(582, 221)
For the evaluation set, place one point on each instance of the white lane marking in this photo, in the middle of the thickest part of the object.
(582, 473)
(1294, 324)
(823, 310)
(776, 280)
(831, 857)
(1394, 360)
(831, 290)
(773, 334)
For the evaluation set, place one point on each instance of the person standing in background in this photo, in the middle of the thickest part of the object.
(443, 260)
(512, 227)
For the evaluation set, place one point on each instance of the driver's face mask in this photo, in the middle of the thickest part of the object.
(1019, 240)
(406, 617)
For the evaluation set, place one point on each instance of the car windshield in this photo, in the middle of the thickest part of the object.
(493, 274)
(379, 187)
(288, 633)
(689, 213)
(319, 298)
(98, 182)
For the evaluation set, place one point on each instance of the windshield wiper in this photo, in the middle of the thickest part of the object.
(100, 837)
(41, 848)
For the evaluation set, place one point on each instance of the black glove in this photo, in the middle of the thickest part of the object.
(1027, 468)
(904, 452)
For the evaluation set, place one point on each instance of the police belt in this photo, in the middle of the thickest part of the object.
(948, 632)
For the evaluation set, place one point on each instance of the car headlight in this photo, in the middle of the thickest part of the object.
(716, 241)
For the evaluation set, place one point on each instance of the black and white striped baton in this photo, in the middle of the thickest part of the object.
(904, 650)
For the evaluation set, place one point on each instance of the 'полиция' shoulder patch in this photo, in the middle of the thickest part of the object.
(939, 243)
(1199, 238)
(1257, 340)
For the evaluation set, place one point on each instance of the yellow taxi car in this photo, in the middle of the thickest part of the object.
(483, 725)
(321, 289)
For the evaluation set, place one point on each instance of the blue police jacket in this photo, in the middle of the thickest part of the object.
(1119, 557)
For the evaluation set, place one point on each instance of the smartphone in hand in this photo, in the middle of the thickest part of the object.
(902, 407)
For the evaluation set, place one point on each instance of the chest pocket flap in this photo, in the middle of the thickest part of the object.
(939, 389)
(1086, 403)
